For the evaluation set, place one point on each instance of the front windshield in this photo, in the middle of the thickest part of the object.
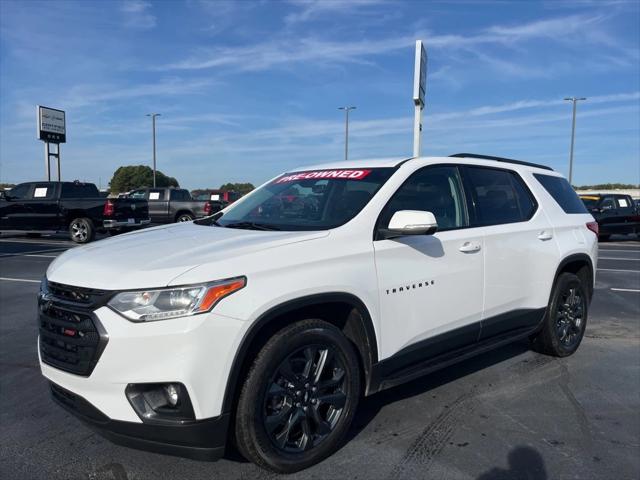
(308, 200)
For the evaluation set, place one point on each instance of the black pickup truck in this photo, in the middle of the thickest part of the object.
(168, 205)
(72, 206)
(615, 213)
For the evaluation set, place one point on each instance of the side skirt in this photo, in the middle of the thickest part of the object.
(395, 370)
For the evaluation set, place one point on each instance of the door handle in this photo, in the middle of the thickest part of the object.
(544, 235)
(469, 247)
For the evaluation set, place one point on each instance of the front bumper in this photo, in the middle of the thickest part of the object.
(124, 223)
(200, 439)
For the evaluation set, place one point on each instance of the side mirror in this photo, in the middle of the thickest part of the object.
(410, 222)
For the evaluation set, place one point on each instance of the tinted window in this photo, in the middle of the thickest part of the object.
(156, 194)
(79, 190)
(180, 195)
(433, 189)
(608, 203)
(43, 191)
(309, 200)
(19, 192)
(590, 202)
(499, 196)
(562, 193)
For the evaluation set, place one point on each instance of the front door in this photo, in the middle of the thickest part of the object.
(430, 286)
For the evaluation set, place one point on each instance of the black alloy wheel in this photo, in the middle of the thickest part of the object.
(305, 398)
(298, 398)
(565, 321)
(570, 312)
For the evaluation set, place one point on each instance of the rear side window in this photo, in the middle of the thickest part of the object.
(79, 190)
(500, 196)
(562, 193)
(180, 195)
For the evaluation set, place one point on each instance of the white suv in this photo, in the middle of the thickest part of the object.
(266, 322)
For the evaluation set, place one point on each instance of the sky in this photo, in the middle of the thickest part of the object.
(249, 89)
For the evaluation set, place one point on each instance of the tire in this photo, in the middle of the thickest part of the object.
(566, 318)
(81, 230)
(604, 238)
(277, 417)
(184, 217)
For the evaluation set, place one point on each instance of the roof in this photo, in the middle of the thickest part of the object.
(351, 164)
(392, 162)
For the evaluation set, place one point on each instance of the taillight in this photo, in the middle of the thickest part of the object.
(593, 226)
(109, 208)
(207, 208)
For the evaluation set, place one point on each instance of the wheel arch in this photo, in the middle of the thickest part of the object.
(344, 310)
(182, 212)
(581, 265)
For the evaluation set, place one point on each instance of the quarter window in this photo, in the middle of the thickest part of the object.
(564, 195)
(499, 196)
(433, 189)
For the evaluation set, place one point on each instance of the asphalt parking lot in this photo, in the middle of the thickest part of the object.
(506, 414)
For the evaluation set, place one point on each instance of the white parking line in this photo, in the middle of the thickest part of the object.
(614, 258)
(626, 290)
(31, 253)
(19, 280)
(617, 270)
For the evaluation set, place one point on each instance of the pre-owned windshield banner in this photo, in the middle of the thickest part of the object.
(328, 174)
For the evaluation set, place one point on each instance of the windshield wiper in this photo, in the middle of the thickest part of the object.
(252, 226)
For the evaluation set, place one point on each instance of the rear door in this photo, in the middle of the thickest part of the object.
(430, 286)
(158, 204)
(519, 252)
(625, 214)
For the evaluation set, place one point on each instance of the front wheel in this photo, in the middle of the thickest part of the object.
(299, 397)
(81, 230)
(566, 319)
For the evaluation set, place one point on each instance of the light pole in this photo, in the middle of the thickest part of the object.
(346, 130)
(573, 100)
(153, 128)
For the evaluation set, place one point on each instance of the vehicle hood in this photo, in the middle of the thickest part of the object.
(153, 257)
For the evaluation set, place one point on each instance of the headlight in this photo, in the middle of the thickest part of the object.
(161, 304)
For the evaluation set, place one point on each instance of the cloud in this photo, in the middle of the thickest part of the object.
(290, 50)
(87, 95)
(312, 9)
(137, 14)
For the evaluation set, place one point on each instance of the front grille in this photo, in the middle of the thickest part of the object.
(71, 337)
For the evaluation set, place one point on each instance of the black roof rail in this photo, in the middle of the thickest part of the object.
(500, 159)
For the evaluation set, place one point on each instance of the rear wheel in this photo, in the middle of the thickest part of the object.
(299, 398)
(566, 318)
(81, 230)
(184, 217)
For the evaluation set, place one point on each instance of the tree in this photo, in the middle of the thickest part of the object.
(607, 186)
(138, 176)
(6, 186)
(242, 188)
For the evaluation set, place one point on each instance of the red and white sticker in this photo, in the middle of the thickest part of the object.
(328, 174)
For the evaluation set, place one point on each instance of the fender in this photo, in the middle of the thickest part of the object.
(368, 347)
(577, 257)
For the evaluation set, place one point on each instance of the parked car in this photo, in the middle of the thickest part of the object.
(615, 213)
(169, 205)
(76, 207)
(266, 323)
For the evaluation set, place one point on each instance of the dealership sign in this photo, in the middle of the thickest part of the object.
(51, 125)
